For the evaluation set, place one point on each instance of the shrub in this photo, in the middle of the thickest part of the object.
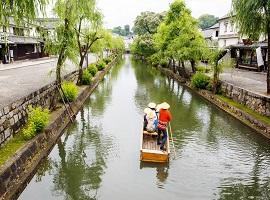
(200, 80)
(70, 91)
(38, 118)
(92, 69)
(86, 78)
(101, 65)
(203, 69)
(107, 60)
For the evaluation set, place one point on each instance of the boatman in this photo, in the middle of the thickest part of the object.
(164, 118)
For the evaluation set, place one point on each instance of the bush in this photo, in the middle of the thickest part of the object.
(38, 118)
(200, 80)
(86, 77)
(203, 69)
(101, 65)
(107, 60)
(70, 91)
(92, 69)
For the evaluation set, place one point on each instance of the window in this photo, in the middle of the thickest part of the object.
(18, 31)
(4, 29)
(216, 33)
(232, 26)
(226, 27)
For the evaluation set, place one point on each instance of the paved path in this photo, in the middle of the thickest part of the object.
(22, 78)
(249, 80)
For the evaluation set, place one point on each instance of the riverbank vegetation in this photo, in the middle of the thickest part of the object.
(174, 41)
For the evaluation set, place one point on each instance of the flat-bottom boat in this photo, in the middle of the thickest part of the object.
(150, 150)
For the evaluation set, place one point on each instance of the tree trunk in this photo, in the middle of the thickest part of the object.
(268, 61)
(173, 66)
(192, 62)
(79, 81)
(169, 63)
(215, 79)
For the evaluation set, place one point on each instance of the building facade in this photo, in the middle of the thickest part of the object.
(24, 41)
(228, 32)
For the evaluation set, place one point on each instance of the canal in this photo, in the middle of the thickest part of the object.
(97, 157)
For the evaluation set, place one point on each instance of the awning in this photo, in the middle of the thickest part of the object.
(263, 45)
(23, 40)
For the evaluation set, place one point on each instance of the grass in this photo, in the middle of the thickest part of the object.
(8, 150)
(242, 107)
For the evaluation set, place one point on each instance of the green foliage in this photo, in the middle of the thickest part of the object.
(178, 36)
(143, 45)
(147, 23)
(70, 91)
(86, 78)
(20, 9)
(92, 69)
(203, 69)
(38, 118)
(200, 80)
(101, 65)
(122, 31)
(107, 60)
(206, 21)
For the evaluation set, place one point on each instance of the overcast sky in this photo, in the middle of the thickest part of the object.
(121, 12)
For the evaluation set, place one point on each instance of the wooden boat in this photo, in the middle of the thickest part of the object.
(150, 151)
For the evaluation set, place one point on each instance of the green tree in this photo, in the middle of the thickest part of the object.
(206, 20)
(88, 35)
(64, 44)
(178, 37)
(147, 23)
(253, 19)
(20, 9)
(127, 30)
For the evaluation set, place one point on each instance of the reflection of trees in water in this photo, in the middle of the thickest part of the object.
(257, 186)
(102, 95)
(154, 87)
(76, 176)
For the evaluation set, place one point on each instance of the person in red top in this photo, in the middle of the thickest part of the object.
(164, 118)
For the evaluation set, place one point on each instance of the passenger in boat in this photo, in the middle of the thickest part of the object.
(164, 118)
(151, 107)
(150, 120)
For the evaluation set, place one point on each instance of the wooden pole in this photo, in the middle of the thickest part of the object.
(172, 140)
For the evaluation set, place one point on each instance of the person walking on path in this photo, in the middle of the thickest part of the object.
(164, 118)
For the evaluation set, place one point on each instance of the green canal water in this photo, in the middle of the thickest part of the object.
(98, 155)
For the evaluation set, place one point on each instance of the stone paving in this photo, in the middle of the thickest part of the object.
(249, 80)
(22, 78)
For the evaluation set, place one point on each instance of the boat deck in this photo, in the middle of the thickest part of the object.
(150, 142)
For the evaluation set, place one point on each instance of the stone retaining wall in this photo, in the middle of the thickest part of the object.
(258, 103)
(16, 172)
(14, 115)
(245, 118)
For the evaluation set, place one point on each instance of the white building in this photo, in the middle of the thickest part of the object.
(211, 34)
(228, 32)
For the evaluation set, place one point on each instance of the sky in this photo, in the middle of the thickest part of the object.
(122, 12)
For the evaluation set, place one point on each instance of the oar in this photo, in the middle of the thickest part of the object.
(172, 140)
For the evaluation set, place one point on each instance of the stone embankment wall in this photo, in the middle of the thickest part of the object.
(18, 170)
(14, 115)
(251, 100)
(258, 103)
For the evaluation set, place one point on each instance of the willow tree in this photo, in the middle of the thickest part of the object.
(253, 19)
(88, 27)
(178, 37)
(64, 42)
(20, 9)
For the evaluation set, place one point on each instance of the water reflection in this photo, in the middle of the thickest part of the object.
(98, 155)
(162, 172)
